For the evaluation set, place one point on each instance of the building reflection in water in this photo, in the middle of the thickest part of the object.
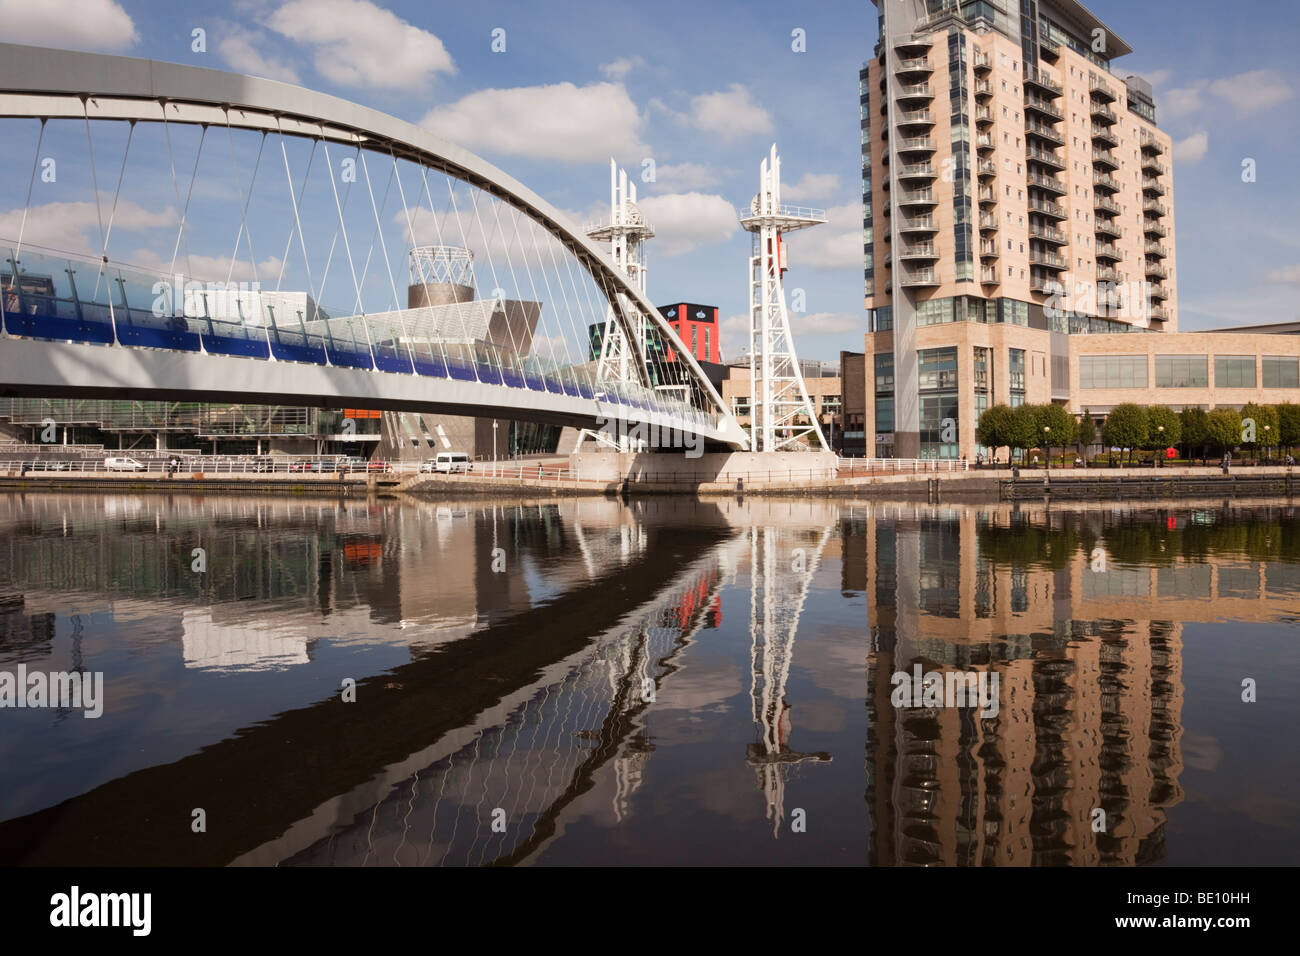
(1079, 613)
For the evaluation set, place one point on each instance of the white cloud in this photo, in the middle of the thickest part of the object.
(734, 330)
(809, 325)
(812, 186)
(1180, 102)
(730, 115)
(560, 121)
(69, 24)
(359, 44)
(209, 268)
(837, 244)
(1193, 148)
(1255, 90)
(1289, 275)
(686, 176)
(685, 221)
(238, 47)
(73, 227)
(620, 68)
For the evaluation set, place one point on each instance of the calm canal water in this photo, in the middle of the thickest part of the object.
(662, 682)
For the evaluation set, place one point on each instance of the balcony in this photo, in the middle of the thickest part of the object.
(1152, 186)
(1101, 134)
(917, 224)
(1100, 89)
(987, 196)
(983, 115)
(983, 88)
(914, 41)
(916, 144)
(1047, 234)
(1104, 114)
(988, 220)
(1039, 80)
(919, 279)
(1049, 260)
(1157, 270)
(917, 197)
(1104, 157)
(914, 91)
(1158, 293)
(982, 62)
(1049, 49)
(1105, 181)
(1161, 315)
(1105, 227)
(983, 141)
(915, 171)
(1149, 143)
(1044, 283)
(1153, 207)
(989, 275)
(1043, 131)
(986, 167)
(1109, 252)
(916, 64)
(1157, 250)
(1152, 165)
(1040, 105)
(1153, 227)
(1048, 208)
(989, 250)
(1044, 157)
(916, 118)
(1106, 203)
(1108, 274)
(918, 250)
(1049, 183)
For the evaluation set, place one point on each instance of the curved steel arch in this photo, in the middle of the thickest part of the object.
(44, 83)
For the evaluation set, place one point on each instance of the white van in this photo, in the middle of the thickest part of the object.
(123, 464)
(450, 462)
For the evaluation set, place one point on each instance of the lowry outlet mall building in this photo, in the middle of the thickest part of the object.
(1018, 206)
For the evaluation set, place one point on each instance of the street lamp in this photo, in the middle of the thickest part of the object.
(1046, 441)
(494, 447)
(1161, 430)
(1266, 446)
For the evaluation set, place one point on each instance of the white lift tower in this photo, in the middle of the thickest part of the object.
(781, 414)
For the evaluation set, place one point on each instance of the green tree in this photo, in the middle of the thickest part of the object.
(1223, 429)
(994, 428)
(1288, 425)
(1025, 431)
(1061, 424)
(1195, 424)
(1158, 417)
(1263, 433)
(1126, 426)
(1086, 436)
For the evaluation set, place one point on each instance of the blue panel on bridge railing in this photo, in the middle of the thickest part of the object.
(389, 358)
(297, 347)
(554, 385)
(41, 325)
(585, 390)
(571, 387)
(232, 338)
(461, 371)
(512, 377)
(434, 366)
(534, 380)
(345, 357)
(488, 373)
(145, 330)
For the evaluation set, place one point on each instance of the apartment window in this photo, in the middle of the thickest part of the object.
(1234, 371)
(884, 373)
(695, 340)
(1182, 371)
(740, 405)
(832, 404)
(707, 353)
(1016, 376)
(1281, 371)
(937, 368)
(884, 415)
(935, 312)
(1112, 371)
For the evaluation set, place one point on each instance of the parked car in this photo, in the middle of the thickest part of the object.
(378, 466)
(123, 464)
(299, 467)
(450, 462)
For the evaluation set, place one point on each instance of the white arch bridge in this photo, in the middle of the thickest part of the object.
(178, 233)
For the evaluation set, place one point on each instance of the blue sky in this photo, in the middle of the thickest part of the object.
(703, 89)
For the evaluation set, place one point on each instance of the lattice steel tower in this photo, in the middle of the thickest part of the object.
(782, 416)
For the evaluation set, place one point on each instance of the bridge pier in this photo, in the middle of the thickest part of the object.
(678, 469)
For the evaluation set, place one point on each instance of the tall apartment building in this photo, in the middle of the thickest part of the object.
(1016, 194)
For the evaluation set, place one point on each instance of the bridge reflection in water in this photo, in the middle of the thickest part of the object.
(551, 682)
